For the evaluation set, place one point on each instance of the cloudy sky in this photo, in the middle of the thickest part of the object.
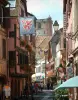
(43, 8)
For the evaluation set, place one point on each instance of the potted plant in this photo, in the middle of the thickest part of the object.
(61, 94)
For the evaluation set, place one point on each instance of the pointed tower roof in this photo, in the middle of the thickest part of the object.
(55, 23)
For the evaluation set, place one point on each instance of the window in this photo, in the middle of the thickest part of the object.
(11, 34)
(12, 58)
(39, 25)
(4, 12)
(22, 59)
(4, 48)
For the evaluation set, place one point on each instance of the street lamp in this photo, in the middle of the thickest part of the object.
(56, 25)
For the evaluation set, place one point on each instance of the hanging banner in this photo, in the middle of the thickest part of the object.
(27, 25)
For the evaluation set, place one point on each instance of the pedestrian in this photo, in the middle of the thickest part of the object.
(26, 90)
(36, 88)
(31, 91)
(52, 85)
(48, 85)
(41, 85)
(7, 92)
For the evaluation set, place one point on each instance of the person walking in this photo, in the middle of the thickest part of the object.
(7, 92)
(52, 85)
(41, 85)
(31, 91)
(48, 85)
(36, 88)
(26, 90)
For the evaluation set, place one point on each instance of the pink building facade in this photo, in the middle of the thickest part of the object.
(20, 68)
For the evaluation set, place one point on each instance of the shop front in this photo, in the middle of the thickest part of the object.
(17, 83)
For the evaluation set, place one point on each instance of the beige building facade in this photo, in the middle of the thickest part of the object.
(3, 52)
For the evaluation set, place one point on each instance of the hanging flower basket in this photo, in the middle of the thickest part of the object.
(28, 47)
(22, 43)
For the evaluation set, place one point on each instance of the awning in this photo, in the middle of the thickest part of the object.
(70, 83)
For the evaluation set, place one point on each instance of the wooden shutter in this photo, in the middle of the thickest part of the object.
(18, 58)
(12, 58)
(26, 59)
(6, 19)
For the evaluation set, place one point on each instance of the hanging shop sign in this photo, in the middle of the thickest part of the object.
(27, 25)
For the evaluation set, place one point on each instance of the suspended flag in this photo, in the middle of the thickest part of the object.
(27, 25)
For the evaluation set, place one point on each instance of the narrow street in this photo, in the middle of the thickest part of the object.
(38, 49)
(44, 95)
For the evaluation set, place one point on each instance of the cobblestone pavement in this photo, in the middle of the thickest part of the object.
(44, 95)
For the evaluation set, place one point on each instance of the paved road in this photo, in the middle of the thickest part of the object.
(44, 95)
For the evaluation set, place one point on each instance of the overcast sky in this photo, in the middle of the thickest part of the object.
(43, 8)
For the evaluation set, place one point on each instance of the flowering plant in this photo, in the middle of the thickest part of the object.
(29, 48)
